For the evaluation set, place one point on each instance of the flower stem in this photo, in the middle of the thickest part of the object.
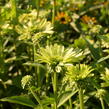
(38, 7)
(13, 10)
(102, 103)
(54, 11)
(36, 97)
(2, 64)
(81, 98)
(70, 102)
(54, 82)
(34, 52)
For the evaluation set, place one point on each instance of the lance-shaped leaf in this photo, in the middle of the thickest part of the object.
(23, 100)
(65, 97)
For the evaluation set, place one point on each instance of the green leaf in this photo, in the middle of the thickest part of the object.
(23, 100)
(48, 101)
(94, 51)
(64, 97)
(34, 64)
(39, 107)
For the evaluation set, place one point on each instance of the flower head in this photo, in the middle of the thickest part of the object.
(104, 40)
(78, 72)
(105, 78)
(100, 93)
(63, 18)
(33, 29)
(26, 81)
(77, 75)
(57, 54)
(88, 20)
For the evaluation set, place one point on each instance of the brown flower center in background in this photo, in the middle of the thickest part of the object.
(63, 18)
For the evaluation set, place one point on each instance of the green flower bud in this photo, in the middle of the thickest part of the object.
(26, 81)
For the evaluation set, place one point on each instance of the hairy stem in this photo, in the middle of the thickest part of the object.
(38, 7)
(33, 52)
(81, 98)
(70, 103)
(54, 82)
(35, 68)
(54, 11)
(102, 103)
(14, 10)
(36, 97)
(2, 66)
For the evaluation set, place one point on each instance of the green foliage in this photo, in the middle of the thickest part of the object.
(23, 100)
(54, 54)
(65, 97)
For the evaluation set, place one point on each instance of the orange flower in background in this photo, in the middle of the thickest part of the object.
(62, 18)
(87, 19)
(106, 3)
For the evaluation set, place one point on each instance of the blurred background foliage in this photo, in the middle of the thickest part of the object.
(41, 38)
